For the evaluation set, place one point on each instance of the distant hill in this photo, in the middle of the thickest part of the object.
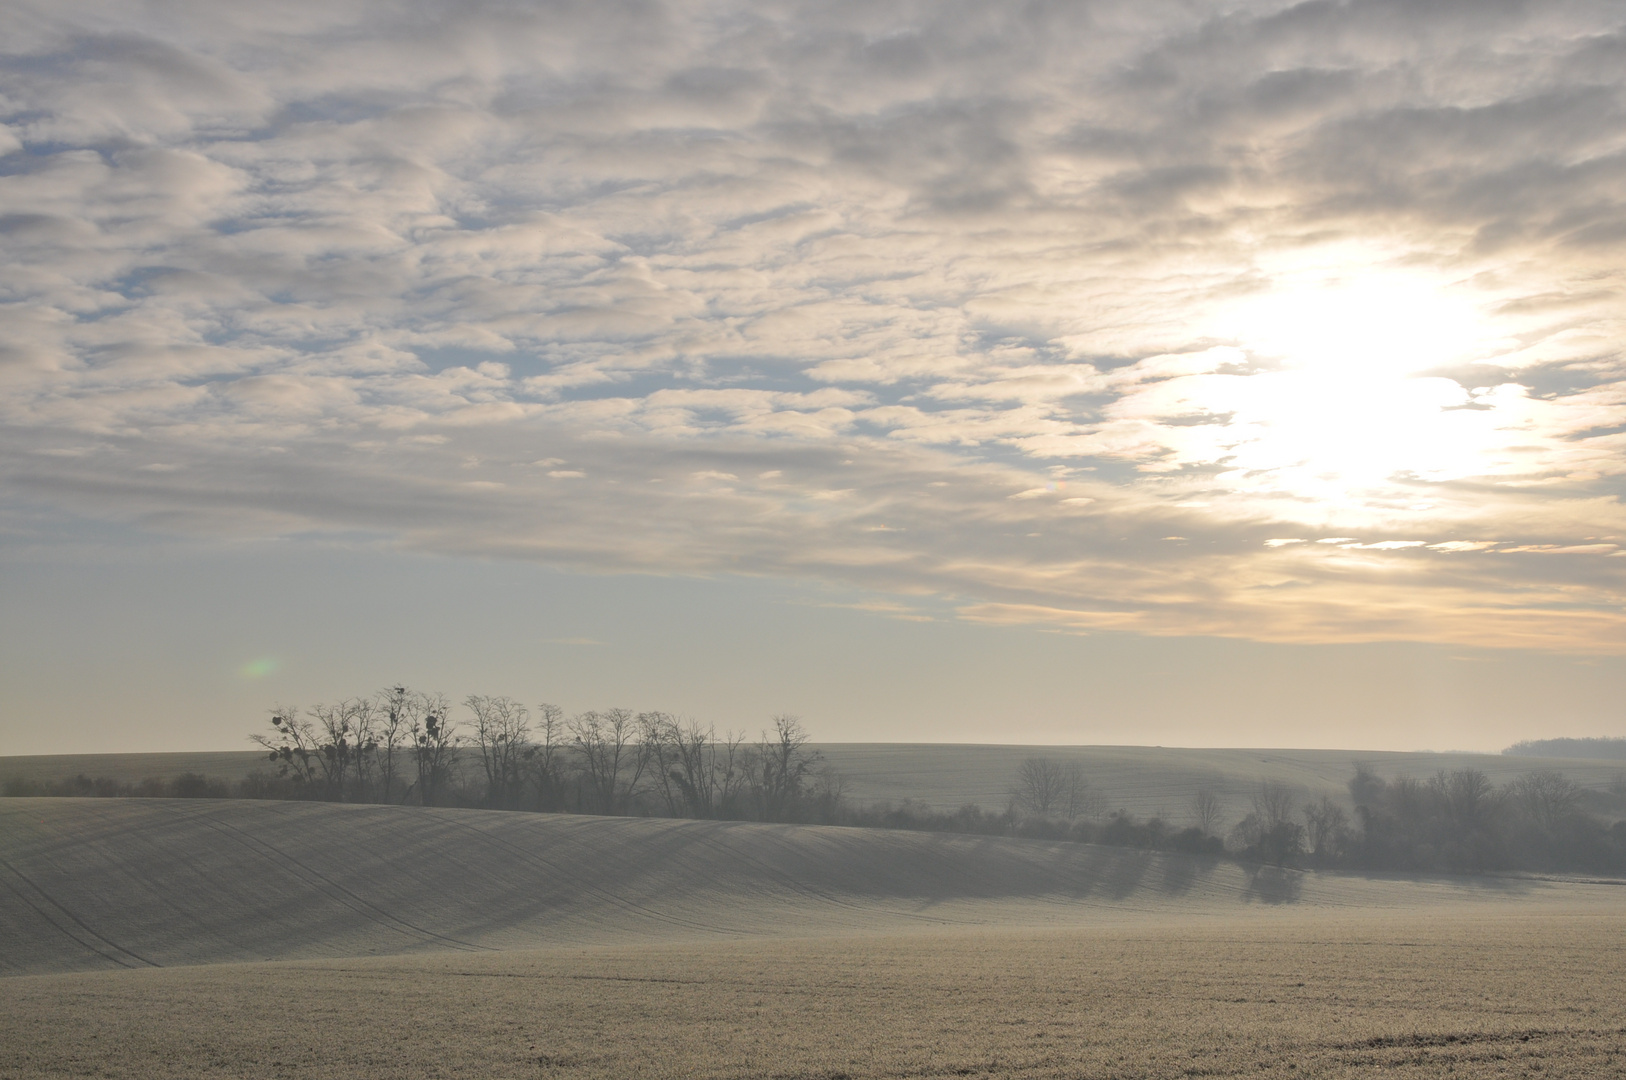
(1607, 749)
(1145, 780)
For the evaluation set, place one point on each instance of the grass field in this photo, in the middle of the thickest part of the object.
(1442, 994)
(1144, 780)
(433, 942)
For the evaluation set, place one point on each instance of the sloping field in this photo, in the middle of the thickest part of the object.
(100, 883)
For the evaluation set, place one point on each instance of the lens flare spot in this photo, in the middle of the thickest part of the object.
(259, 669)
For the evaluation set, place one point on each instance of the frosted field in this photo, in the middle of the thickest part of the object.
(412, 942)
(1464, 994)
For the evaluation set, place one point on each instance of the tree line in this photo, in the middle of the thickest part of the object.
(403, 746)
(1613, 749)
(1456, 821)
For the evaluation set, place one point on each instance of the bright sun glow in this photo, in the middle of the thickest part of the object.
(1372, 327)
(1345, 402)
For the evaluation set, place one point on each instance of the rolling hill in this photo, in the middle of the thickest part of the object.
(104, 883)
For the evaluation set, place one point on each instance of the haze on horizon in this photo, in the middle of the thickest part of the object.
(1184, 373)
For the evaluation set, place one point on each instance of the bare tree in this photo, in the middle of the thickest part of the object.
(326, 751)
(729, 775)
(1273, 802)
(545, 757)
(663, 742)
(677, 767)
(1470, 800)
(347, 745)
(826, 794)
(1269, 832)
(1079, 797)
(1546, 797)
(612, 758)
(364, 717)
(1366, 787)
(1409, 799)
(502, 731)
(1041, 787)
(1326, 828)
(698, 774)
(295, 747)
(399, 711)
(784, 763)
(434, 747)
(1205, 811)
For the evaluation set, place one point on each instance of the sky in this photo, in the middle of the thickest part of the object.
(1189, 373)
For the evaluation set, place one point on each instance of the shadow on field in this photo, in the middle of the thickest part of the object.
(1180, 876)
(1274, 885)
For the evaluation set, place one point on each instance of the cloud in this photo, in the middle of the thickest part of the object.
(1342, 271)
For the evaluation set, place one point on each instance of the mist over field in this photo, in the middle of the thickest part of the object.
(562, 894)
(176, 937)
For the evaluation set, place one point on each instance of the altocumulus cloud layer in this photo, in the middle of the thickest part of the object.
(1292, 322)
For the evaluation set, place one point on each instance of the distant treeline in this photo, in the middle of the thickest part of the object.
(1460, 821)
(1457, 821)
(400, 746)
(1607, 749)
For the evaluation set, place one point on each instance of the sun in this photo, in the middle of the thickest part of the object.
(1373, 325)
(1348, 390)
